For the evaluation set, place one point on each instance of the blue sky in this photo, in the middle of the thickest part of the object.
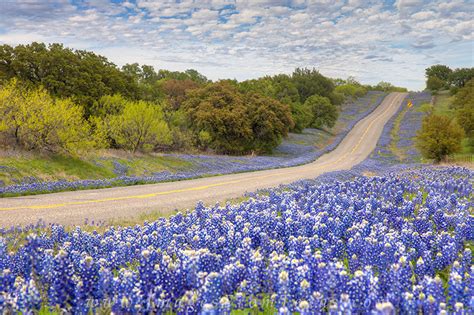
(371, 40)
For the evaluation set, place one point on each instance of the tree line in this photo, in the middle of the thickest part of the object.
(57, 99)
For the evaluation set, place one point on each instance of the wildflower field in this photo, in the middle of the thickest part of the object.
(372, 245)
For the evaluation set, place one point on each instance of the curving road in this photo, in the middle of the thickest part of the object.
(125, 202)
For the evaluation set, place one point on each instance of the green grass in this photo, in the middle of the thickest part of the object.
(18, 166)
(395, 136)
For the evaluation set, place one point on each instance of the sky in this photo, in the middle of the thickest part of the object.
(372, 41)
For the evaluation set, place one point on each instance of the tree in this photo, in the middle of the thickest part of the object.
(33, 120)
(310, 82)
(220, 110)
(236, 123)
(434, 83)
(140, 127)
(324, 113)
(175, 91)
(459, 77)
(439, 137)
(109, 105)
(270, 122)
(441, 72)
(77, 74)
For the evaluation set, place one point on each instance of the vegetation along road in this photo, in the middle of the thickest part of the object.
(126, 202)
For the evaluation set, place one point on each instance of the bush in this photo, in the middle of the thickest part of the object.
(324, 114)
(439, 137)
(434, 83)
(140, 127)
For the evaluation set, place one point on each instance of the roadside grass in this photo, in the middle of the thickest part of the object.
(16, 167)
(395, 136)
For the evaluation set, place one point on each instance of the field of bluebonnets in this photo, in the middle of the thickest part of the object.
(296, 150)
(372, 244)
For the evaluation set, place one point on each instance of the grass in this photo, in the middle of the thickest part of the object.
(395, 136)
(16, 167)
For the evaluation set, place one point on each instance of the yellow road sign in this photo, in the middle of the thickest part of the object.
(409, 104)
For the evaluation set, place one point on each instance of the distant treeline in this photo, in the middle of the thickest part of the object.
(442, 77)
(58, 99)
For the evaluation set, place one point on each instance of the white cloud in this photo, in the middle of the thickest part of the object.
(249, 38)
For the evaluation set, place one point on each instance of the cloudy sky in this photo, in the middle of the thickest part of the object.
(370, 40)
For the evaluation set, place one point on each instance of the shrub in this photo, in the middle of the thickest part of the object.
(140, 127)
(439, 137)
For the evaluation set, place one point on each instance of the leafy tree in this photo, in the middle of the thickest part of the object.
(434, 83)
(439, 137)
(388, 87)
(270, 121)
(324, 114)
(310, 82)
(459, 77)
(140, 127)
(80, 75)
(175, 91)
(236, 123)
(302, 116)
(351, 90)
(220, 110)
(108, 105)
(35, 121)
(441, 72)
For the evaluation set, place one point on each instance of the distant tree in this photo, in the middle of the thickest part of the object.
(109, 105)
(140, 127)
(439, 137)
(441, 72)
(302, 116)
(220, 110)
(459, 77)
(270, 122)
(388, 87)
(229, 121)
(324, 114)
(175, 91)
(351, 90)
(80, 75)
(310, 82)
(435, 84)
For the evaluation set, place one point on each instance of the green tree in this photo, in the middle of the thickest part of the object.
(441, 72)
(310, 82)
(220, 110)
(33, 120)
(434, 83)
(270, 122)
(108, 105)
(77, 74)
(324, 114)
(459, 77)
(464, 107)
(439, 137)
(140, 127)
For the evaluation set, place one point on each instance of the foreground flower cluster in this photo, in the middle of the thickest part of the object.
(370, 245)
